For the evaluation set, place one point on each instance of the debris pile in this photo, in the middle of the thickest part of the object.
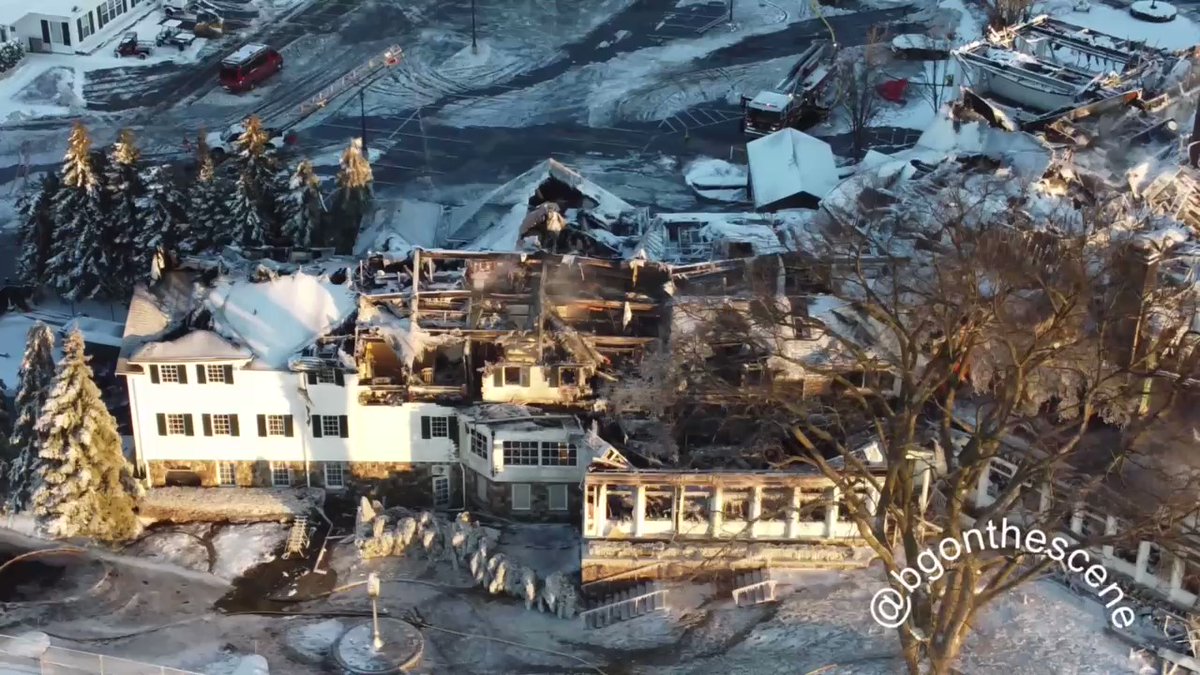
(467, 544)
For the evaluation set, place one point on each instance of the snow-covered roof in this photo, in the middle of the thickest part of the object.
(788, 163)
(96, 331)
(198, 345)
(770, 100)
(278, 317)
(12, 11)
(409, 342)
(493, 223)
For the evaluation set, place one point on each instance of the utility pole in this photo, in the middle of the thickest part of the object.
(362, 116)
(474, 43)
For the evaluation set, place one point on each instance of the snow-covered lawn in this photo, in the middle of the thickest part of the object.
(192, 504)
(1178, 34)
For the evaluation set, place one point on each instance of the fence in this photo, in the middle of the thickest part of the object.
(26, 655)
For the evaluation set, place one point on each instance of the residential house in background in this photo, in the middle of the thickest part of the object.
(67, 26)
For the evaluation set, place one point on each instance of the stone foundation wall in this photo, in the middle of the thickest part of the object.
(397, 484)
(604, 558)
(499, 500)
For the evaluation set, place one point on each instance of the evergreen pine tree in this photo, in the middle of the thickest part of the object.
(207, 212)
(253, 202)
(36, 211)
(79, 262)
(6, 451)
(83, 487)
(125, 225)
(304, 207)
(33, 385)
(162, 211)
(353, 196)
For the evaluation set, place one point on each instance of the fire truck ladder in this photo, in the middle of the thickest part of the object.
(372, 68)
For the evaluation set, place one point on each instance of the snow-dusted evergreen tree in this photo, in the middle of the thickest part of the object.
(207, 212)
(122, 179)
(253, 202)
(162, 211)
(80, 262)
(84, 479)
(36, 212)
(304, 207)
(353, 196)
(33, 385)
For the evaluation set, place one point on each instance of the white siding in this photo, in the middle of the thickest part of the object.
(381, 433)
(254, 392)
(537, 391)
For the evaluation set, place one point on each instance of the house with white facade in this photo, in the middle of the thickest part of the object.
(67, 26)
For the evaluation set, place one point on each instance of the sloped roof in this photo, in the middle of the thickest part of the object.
(787, 163)
(198, 345)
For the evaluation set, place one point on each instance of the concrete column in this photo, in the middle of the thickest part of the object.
(716, 516)
(1110, 528)
(1143, 557)
(1176, 572)
(639, 510)
(793, 522)
(981, 495)
(755, 509)
(832, 512)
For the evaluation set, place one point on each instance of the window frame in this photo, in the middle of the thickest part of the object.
(270, 420)
(340, 469)
(275, 469)
(551, 489)
(326, 376)
(516, 453)
(221, 475)
(334, 431)
(479, 444)
(555, 450)
(441, 486)
(174, 370)
(214, 374)
(216, 419)
(504, 373)
(181, 418)
(434, 421)
(512, 497)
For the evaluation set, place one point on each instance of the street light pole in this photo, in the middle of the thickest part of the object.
(474, 43)
(362, 116)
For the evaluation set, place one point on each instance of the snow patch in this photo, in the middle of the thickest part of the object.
(312, 641)
(1181, 33)
(240, 548)
(279, 317)
(717, 179)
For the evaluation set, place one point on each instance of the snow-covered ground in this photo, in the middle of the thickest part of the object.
(1178, 34)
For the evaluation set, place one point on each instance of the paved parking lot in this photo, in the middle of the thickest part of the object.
(688, 22)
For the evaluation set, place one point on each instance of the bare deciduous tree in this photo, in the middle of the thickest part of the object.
(968, 330)
(859, 75)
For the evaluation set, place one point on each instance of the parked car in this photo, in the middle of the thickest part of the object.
(224, 143)
(249, 66)
(131, 46)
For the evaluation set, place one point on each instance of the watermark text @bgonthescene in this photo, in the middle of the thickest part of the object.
(891, 606)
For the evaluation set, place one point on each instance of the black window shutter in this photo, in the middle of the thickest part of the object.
(201, 376)
(497, 377)
(426, 432)
(344, 426)
(316, 422)
(311, 376)
(452, 420)
(228, 374)
(525, 377)
(289, 429)
(233, 425)
(182, 374)
(262, 425)
(206, 422)
(154, 374)
(551, 376)
(339, 378)
(188, 429)
(162, 424)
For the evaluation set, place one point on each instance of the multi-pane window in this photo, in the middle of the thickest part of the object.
(559, 454)
(521, 453)
(326, 377)
(225, 474)
(102, 12)
(441, 492)
(276, 425)
(176, 425)
(169, 374)
(222, 425)
(281, 475)
(439, 427)
(479, 444)
(331, 425)
(335, 475)
(214, 374)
